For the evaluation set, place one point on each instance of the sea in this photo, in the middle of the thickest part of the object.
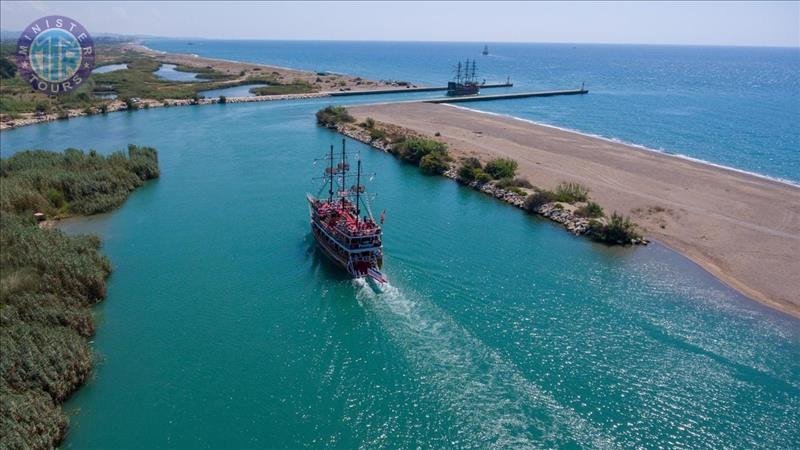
(224, 326)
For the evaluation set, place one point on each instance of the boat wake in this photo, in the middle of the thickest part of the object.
(493, 404)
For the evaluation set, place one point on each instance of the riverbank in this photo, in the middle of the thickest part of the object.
(141, 92)
(50, 281)
(743, 229)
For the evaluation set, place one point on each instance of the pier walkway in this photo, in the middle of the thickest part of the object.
(410, 90)
(483, 98)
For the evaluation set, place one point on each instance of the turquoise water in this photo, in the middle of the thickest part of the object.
(225, 328)
(168, 72)
(732, 106)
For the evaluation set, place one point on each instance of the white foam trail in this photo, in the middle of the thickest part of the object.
(631, 144)
(494, 404)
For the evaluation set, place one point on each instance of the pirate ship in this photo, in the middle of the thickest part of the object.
(465, 82)
(350, 240)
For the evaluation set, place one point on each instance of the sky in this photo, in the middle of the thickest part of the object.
(682, 23)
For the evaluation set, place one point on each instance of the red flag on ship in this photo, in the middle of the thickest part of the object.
(383, 216)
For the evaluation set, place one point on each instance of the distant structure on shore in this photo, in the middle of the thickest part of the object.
(485, 50)
(465, 82)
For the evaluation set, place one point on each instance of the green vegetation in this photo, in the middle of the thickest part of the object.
(513, 184)
(472, 170)
(7, 68)
(501, 168)
(434, 163)
(49, 281)
(331, 116)
(138, 81)
(538, 199)
(590, 209)
(618, 230)
(413, 149)
(73, 182)
(203, 73)
(571, 193)
(377, 134)
(566, 193)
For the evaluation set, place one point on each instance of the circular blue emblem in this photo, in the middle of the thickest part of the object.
(55, 54)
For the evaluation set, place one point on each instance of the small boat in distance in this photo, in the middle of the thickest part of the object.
(351, 241)
(485, 50)
(465, 82)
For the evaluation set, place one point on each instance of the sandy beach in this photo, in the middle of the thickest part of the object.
(742, 228)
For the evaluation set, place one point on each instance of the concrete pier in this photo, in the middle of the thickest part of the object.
(409, 90)
(483, 98)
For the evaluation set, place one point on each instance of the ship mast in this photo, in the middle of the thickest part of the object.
(344, 167)
(330, 189)
(358, 190)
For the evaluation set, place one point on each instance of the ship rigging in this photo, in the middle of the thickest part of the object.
(352, 241)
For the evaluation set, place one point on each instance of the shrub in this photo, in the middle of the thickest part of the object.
(415, 148)
(619, 230)
(513, 184)
(369, 123)
(333, 115)
(571, 193)
(523, 182)
(469, 168)
(501, 168)
(223, 99)
(481, 176)
(376, 134)
(42, 107)
(434, 164)
(538, 199)
(590, 209)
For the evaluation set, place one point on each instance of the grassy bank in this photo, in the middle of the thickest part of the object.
(49, 281)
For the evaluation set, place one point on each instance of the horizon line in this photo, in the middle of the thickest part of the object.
(139, 36)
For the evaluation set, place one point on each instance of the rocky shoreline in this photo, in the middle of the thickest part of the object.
(118, 105)
(554, 211)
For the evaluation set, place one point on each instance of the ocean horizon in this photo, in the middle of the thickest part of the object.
(733, 107)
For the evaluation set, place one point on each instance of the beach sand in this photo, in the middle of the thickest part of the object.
(742, 228)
